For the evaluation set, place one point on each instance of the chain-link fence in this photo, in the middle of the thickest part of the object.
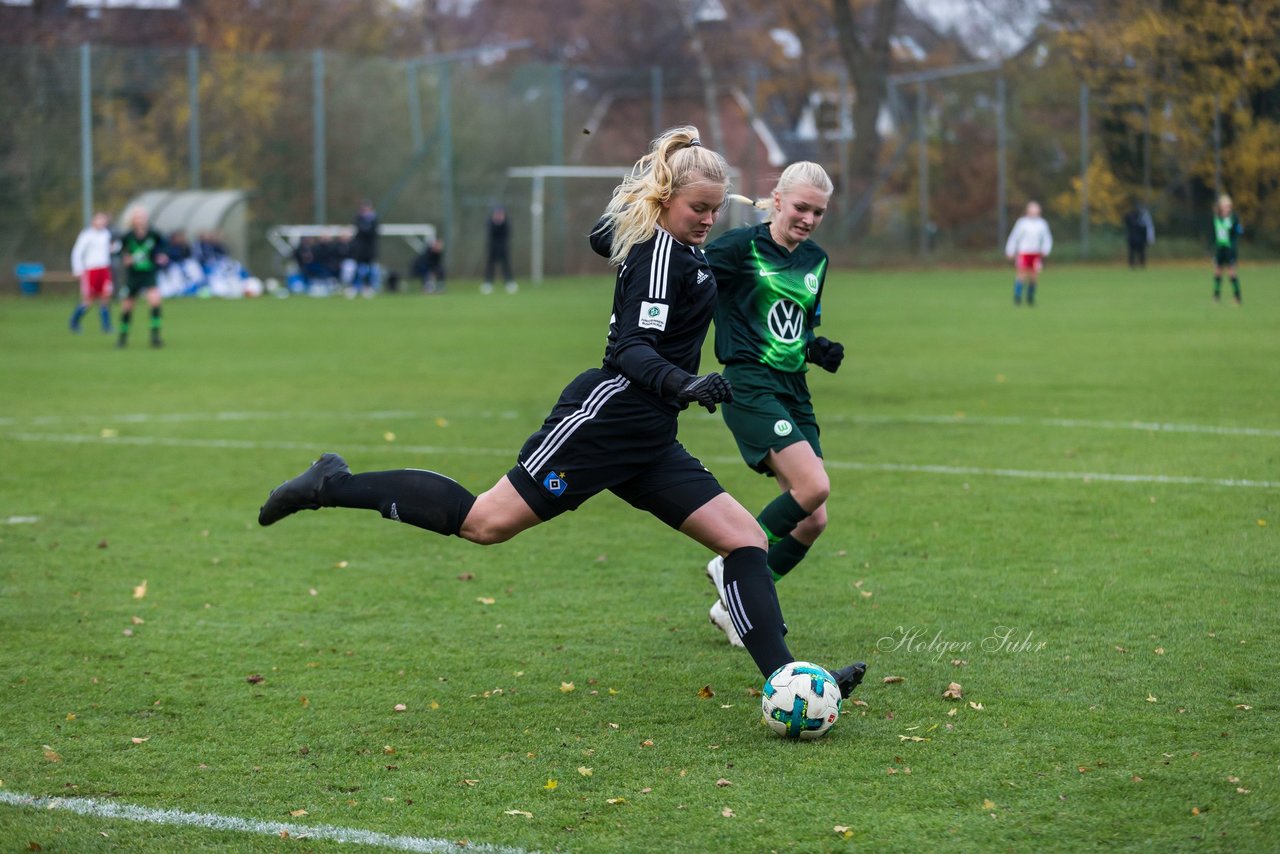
(309, 135)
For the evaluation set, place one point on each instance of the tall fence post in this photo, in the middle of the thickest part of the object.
(444, 128)
(1084, 170)
(923, 166)
(416, 132)
(86, 136)
(318, 166)
(1002, 142)
(655, 93)
(193, 124)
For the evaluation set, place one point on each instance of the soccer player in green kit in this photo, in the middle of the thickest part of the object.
(1226, 230)
(142, 251)
(769, 278)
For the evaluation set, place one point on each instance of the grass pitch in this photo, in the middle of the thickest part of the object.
(1071, 511)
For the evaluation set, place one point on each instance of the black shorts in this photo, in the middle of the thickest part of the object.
(136, 284)
(605, 434)
(771, 410)
(1224, 256)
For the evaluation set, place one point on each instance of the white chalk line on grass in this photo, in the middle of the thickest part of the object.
(392, 414)
(973, 471)
(213, 821)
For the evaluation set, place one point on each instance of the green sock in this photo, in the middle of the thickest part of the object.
(784, 555)
(780, 517)
(155, 317)
(125, 317)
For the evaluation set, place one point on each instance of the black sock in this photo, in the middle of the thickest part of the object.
(780, 516)
(1217, 286)
(1235, 287)
(422, 498)
(753, 606)
(125, 317)
(155, 321)
(784, 555)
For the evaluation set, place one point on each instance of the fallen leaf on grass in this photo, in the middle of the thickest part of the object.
(615, 801)
(889, 680)
(1159, 650)
(722, 782)
(388, 749)
(127, 633)
(726, 812)
(705, 692)
(71, 716)
(951, 713)
(485, 600)
(400, 707)
(567, 688)
(468, 782)
(1151, 698)
(977, 707)
(51, 754)
(1243, 707)
(988, 804)
(140, 590)
(646, 790)
(843, 832)
(912, 738)
(584, 771)
(1135, 778)
(953, 692)
(137, 621)
(466, 576)
(1195, 810)
(254, 678)
(648, 742)
(102, 543)
(1241, 791)
(1083, 769)
(298, 813)
(858, 702)
(551, 785)
(518, 812)
(140, 740)
(958, 662)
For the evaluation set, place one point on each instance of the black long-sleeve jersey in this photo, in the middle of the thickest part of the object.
(663, 301)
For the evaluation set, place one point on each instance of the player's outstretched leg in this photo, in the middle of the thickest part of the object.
(302, 492)
(753, 607)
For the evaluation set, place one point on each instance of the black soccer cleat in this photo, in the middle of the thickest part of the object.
(303, 491)
(849, 677)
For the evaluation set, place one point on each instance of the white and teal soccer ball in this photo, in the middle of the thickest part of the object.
(800, 700)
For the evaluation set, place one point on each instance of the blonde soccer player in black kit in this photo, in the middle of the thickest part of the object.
(614, 427)
(770, 277)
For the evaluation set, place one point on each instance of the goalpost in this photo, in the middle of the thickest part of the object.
(537, 201)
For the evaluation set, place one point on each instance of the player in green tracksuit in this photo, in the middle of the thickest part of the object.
(142, 253)
(1226, 230)
(769, 278)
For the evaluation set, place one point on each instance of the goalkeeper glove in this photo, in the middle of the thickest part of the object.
(824, 353)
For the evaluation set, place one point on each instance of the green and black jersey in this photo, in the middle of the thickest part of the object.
(142, 252)
(769, 299)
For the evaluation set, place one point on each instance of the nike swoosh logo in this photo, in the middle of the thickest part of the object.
(768, 273)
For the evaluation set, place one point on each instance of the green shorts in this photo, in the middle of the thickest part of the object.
(770, 411)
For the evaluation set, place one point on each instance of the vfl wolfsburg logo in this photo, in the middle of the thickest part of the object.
(782, 428)
(786, 321)
(811, 282)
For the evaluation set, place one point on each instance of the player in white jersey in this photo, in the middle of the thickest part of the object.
(1028, 245)
(91, 263)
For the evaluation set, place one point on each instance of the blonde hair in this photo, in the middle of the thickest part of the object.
(675, 161)
(802, 173)
(1224, 199)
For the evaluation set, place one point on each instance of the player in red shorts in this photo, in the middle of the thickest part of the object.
(1029, 244)
(91, 262)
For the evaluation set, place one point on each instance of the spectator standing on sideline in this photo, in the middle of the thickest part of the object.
(91, 262)
(1226, 230)
(1028, 245)
(142, 253)
(429, 266)
(1141, 233)
(499, 252)
(364, 250)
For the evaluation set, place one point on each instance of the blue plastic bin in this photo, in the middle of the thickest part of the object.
(29, 276)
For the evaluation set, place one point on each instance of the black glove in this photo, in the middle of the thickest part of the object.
(706, 390)
(824, 353)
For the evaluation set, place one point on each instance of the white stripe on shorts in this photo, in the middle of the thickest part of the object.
(561, 432)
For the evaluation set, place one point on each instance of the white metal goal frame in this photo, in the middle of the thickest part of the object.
(537, 201)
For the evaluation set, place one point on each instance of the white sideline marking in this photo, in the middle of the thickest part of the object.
(1020, 421)
(312, 447)
(22, 520)
(986, 420)
(213, 821)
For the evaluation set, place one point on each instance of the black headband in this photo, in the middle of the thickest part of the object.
(695, 141)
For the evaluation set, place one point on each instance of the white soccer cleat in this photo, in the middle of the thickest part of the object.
(720, 618)
(512, 287)
(486, 287)
(715, 574)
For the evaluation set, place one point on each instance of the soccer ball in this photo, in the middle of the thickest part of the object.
(800, 700)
